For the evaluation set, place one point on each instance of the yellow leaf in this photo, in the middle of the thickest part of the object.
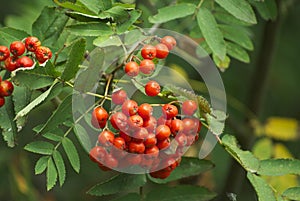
(280, 151)
(281, 183)
(281, 128)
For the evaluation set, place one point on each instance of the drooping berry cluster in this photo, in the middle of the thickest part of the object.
(6, 89)
(13, 56)
(138, 131)
(136, 136)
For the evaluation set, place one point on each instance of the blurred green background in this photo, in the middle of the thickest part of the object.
(280, 98)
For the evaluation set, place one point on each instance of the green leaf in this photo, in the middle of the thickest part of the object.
(106, 40)
(49, 25)
(81, 17)
(74, 6)
(173, 12)
(179, 193)
(40, 147)
(96, 5)
(245, 158)
(134, 36)
(72, 153)
(37, 78)
(211, 32)
(237, 52)
(75, 58)
(62, 113)
(133, 17)
(83, 137)
(8, 35)
(41, 165)
(225, 17)
(112, 186)
(8, 126)
(216, 121)
(117, 13)
(53, 137)
(21, 98)
(240, 9)
(267, 8)
(91, 73)
(278, 167)
(222, 65)
(262, 188)
(188, 167)
(292, 193)
(129, 196)
(34, 103)
(51, 174)
(60, 165)
(237, 35)
(90, 29)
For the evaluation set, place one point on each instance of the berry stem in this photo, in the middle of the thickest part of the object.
(108, 84)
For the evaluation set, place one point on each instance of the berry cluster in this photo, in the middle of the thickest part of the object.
(13, 58)
(136, 136)
(6, 89)
(138, 131)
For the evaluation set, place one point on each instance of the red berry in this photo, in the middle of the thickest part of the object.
(190, 125)
(133, 159)
(4, 53)
(152, 88)
(141, 134)
(150, 124)
(43, 54)
(103, 167)
(119, 143)
(147, 66)
(11, 63)
(2, 101)
(6, 88)
(126, 137)
(176, 126)
(152, 152)
(163, 121)
(32, 43)
(97, 154)
(17, 48)
(169, 41)
(99, 117)
(189, 107)
(150, 140)
(148, 52)
(25, 62)
(162, 51)
(106, 138)
(111, 161)
(119, 121)
(162, 132)
(130, 107)
(119, 97)
(161, 174)
(132, 69)
(145, 110)
(169, 111)
(135, 147)
(135, 122)
(181, 139)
